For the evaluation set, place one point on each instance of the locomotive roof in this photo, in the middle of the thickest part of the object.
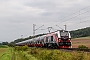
(31, 39)
(57, 31)
(24, 41)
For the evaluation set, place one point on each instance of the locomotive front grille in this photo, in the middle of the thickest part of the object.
(64, 43)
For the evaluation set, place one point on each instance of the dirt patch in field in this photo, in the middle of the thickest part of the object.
(77, 42)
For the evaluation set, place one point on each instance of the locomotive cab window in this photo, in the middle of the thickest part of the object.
(64, 34)
(46, 39)
(51, 38)
(56, 35)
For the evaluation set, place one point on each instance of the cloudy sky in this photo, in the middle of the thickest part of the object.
(18, 16)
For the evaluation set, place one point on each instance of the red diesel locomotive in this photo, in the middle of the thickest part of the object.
(57, 39)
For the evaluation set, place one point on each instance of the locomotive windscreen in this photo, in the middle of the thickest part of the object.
(64, 33)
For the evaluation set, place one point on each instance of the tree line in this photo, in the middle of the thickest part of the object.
(84, 32)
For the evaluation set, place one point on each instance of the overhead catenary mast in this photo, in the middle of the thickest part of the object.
(65, 27)
(49, 29)
(35, 29)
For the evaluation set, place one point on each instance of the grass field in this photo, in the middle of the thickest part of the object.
(2, 51)
(34, 53)
(81, 41)
(5, 53)
(45, 54)
(8, 53)
(3, 46)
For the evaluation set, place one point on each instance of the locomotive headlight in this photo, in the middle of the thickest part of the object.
(63, 31)
(59, 40)
(69, 40)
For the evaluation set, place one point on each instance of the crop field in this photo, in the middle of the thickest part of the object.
(2, 51)
(5, 53)
(81, 41)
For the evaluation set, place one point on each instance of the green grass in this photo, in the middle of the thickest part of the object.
(6, 55)
(10, 54)
(2, 51)
(44, 54)
(3, 46)
(26, 56)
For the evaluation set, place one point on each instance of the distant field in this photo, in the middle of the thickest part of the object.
(3, 46)
(5, 53)
(2, 51)
(81, 41)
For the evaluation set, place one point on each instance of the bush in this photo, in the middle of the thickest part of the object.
(34, 50)
(17, 48)
(21, 48)
(24, 48)
(3, 46)
(82, 47)
(11, 45)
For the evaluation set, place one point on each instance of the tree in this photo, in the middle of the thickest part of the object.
(4, 43)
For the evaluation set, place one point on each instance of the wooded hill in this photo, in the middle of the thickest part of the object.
(80, 32)
(74, 34)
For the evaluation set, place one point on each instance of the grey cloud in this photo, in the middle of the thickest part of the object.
(18, 16)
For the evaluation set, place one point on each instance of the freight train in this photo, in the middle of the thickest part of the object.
(57, 39)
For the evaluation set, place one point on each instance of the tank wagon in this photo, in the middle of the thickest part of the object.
(57, 39)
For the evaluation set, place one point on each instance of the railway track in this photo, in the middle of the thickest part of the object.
(77, 49)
